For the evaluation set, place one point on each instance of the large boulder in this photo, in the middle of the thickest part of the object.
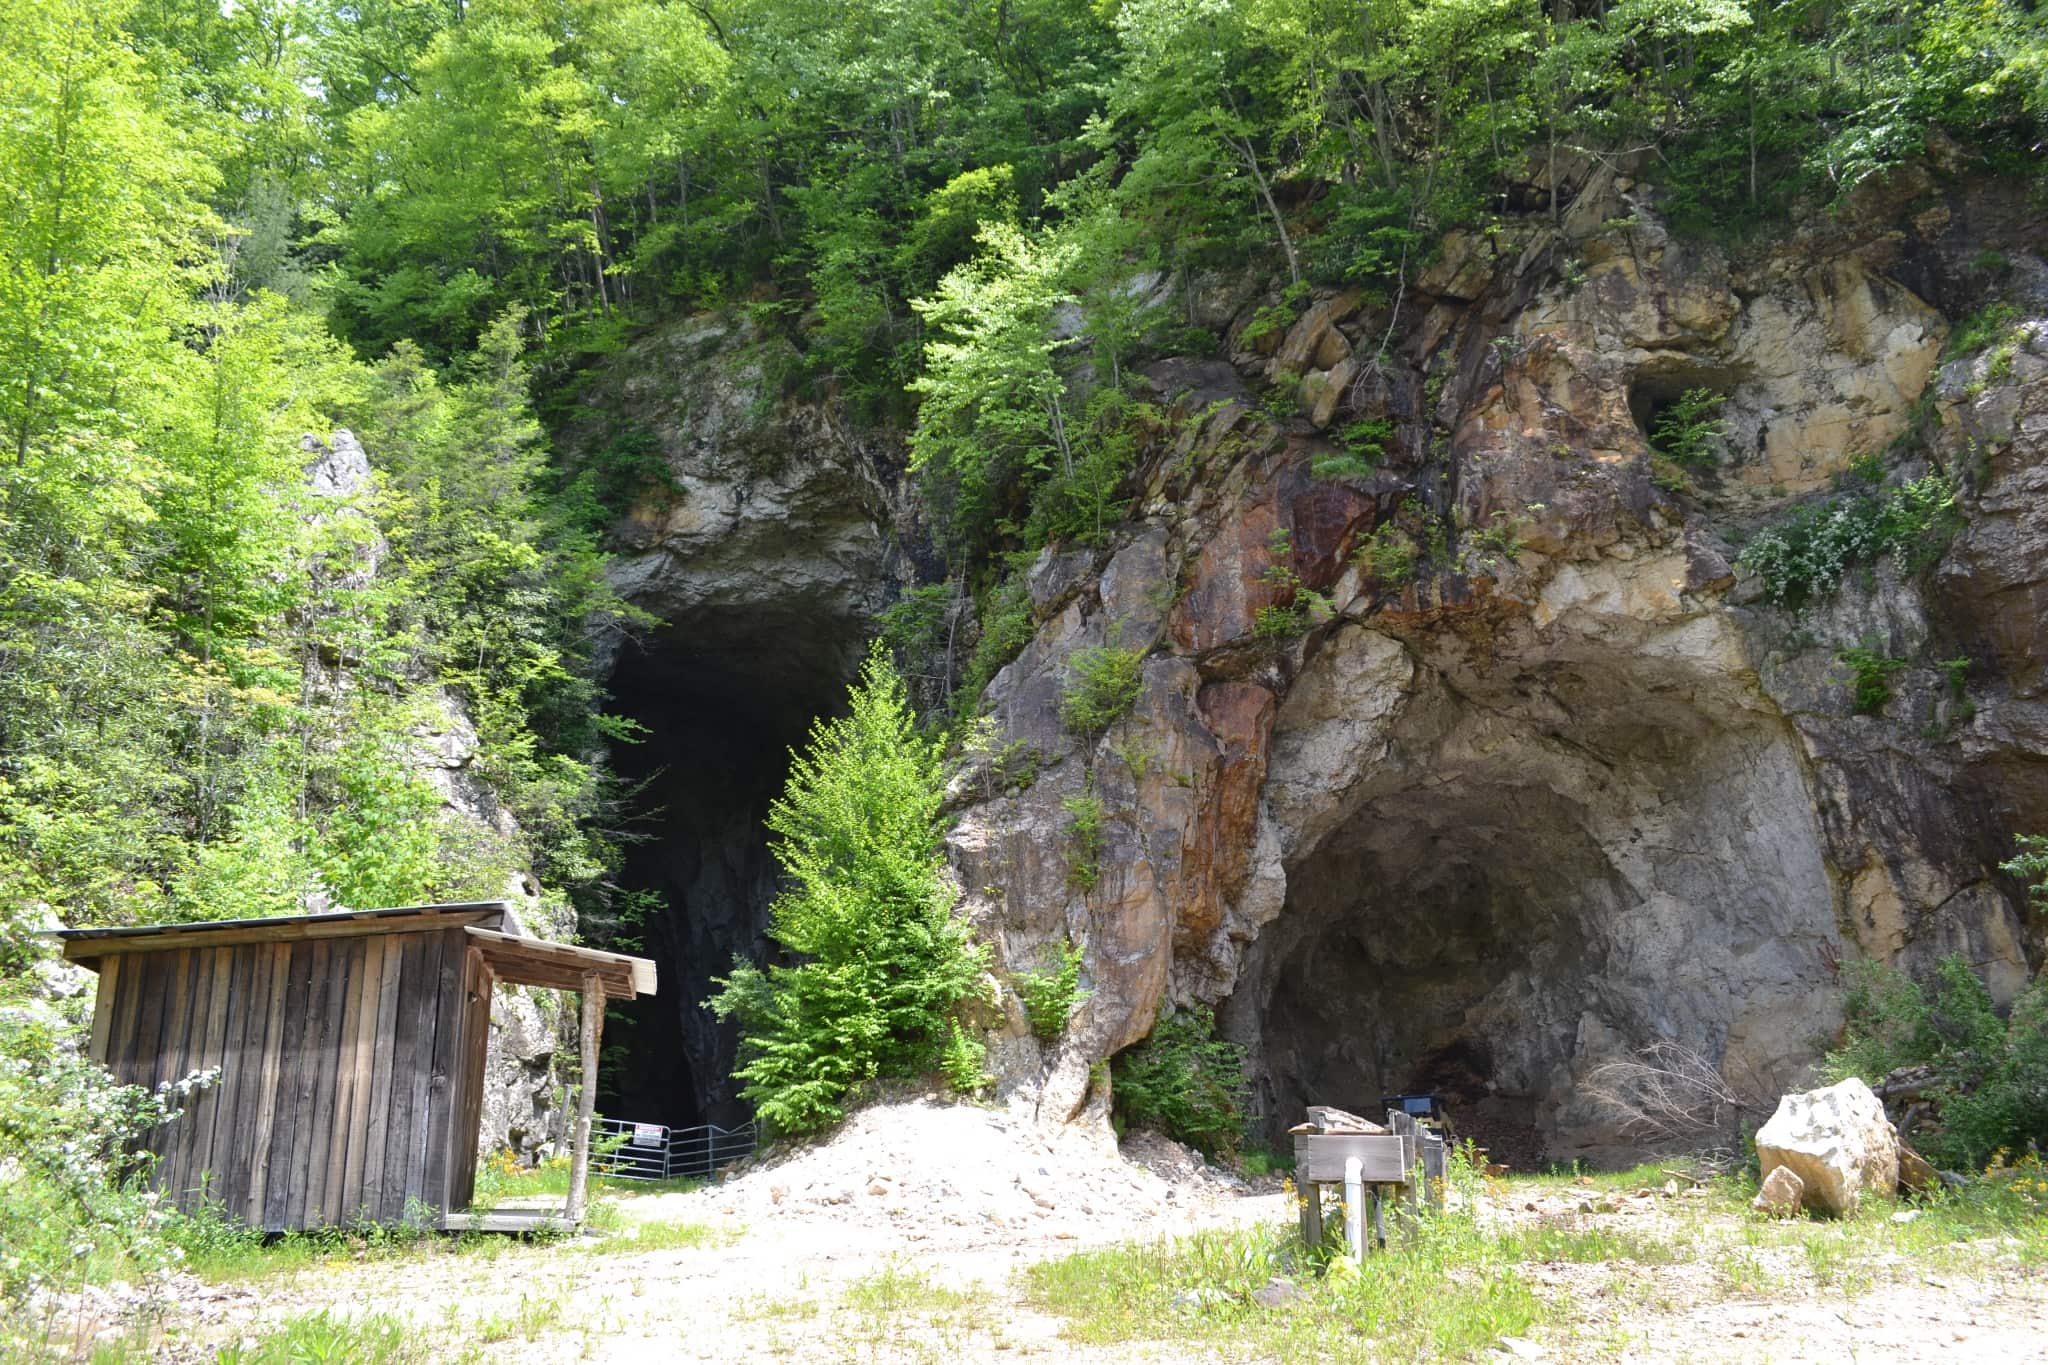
(1837, 1141)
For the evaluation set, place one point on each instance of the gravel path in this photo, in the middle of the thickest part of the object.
(900, 1240)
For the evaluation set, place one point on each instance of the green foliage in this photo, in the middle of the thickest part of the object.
(1991, 1073)
(1006, 627)
(76, 1210)
(1102, 684)
(2029, 863)
(362, 1339)
(1806, 556)
(1688, 431)
(1450, 1293)
(1051, 996)
(881, 962)
(1299, 607)
(964, 1062)
(1987, 327)
(1085, 503)
(210, 704)
(1870, 674)
(1185, 1082)
(1389, 554)
(1500, 539)
(1272, 321)
(1085, 840)
(614, 474)
(911, 625)
(1365, 446)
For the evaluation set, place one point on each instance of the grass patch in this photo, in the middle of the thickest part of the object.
(1449, 1291)
(501, 1177)
(536, 1316)
(1551, 1243)
(663, 1237)
(215, 1247)
(896, 1290)
(899, 1314)
(316, 1338)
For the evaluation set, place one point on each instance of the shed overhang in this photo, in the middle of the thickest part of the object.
(561, 966)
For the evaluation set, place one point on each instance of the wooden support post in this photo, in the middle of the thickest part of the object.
(1404, 1124)
(1311, 1196)
(586, 1101)
(1433, 1170)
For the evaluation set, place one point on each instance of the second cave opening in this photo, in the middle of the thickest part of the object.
(1527, 872)
(719, 711)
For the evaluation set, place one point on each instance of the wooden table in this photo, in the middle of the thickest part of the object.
(1406, 1162)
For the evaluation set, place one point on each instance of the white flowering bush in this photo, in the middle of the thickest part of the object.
(1806, 556)
(75, 1206)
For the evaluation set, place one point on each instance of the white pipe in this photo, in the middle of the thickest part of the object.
(1354, 1207)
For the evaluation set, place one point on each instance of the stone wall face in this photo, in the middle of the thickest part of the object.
(1577, 787)
(1573, 788)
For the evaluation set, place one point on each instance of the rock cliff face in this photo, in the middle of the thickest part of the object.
(1561, 784)
(532, 1044)
(1576, 786)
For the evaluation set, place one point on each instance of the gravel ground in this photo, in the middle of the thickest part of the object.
(900, 1238)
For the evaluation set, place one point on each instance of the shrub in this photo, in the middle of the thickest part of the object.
(1991, 1074)
(1102, 686)
(1275, 626)
(964, 1062)
(1300, 606)
(914, 624)
(1050, 996)
(1389, 555)
(1807, 555)
(2029, 862)
(1085, 840)
(1006, 627)
(1274, 319)
(1185, 1082)
(868, 911)
(1500, 539)
(1365, 445)
(1870, 676)
(1688, 432)
(76, 1207)
(1988, 326)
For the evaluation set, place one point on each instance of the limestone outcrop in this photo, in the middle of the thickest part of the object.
(1471, 763)
(1491, 764)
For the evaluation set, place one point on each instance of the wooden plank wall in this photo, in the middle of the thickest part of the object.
(351, 1072)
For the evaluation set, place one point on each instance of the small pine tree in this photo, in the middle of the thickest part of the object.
(868, 911)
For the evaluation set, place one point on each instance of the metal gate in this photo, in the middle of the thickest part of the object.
(653, 1151)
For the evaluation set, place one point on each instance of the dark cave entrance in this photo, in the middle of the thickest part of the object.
(1437, 945)
(721, 709)
(1528, 874)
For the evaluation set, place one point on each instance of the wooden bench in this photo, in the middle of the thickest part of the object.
(1406, 1162)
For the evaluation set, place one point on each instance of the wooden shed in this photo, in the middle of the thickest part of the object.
(350, 1047)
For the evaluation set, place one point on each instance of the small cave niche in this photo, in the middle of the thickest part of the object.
(720, 705)
(1655, 390)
